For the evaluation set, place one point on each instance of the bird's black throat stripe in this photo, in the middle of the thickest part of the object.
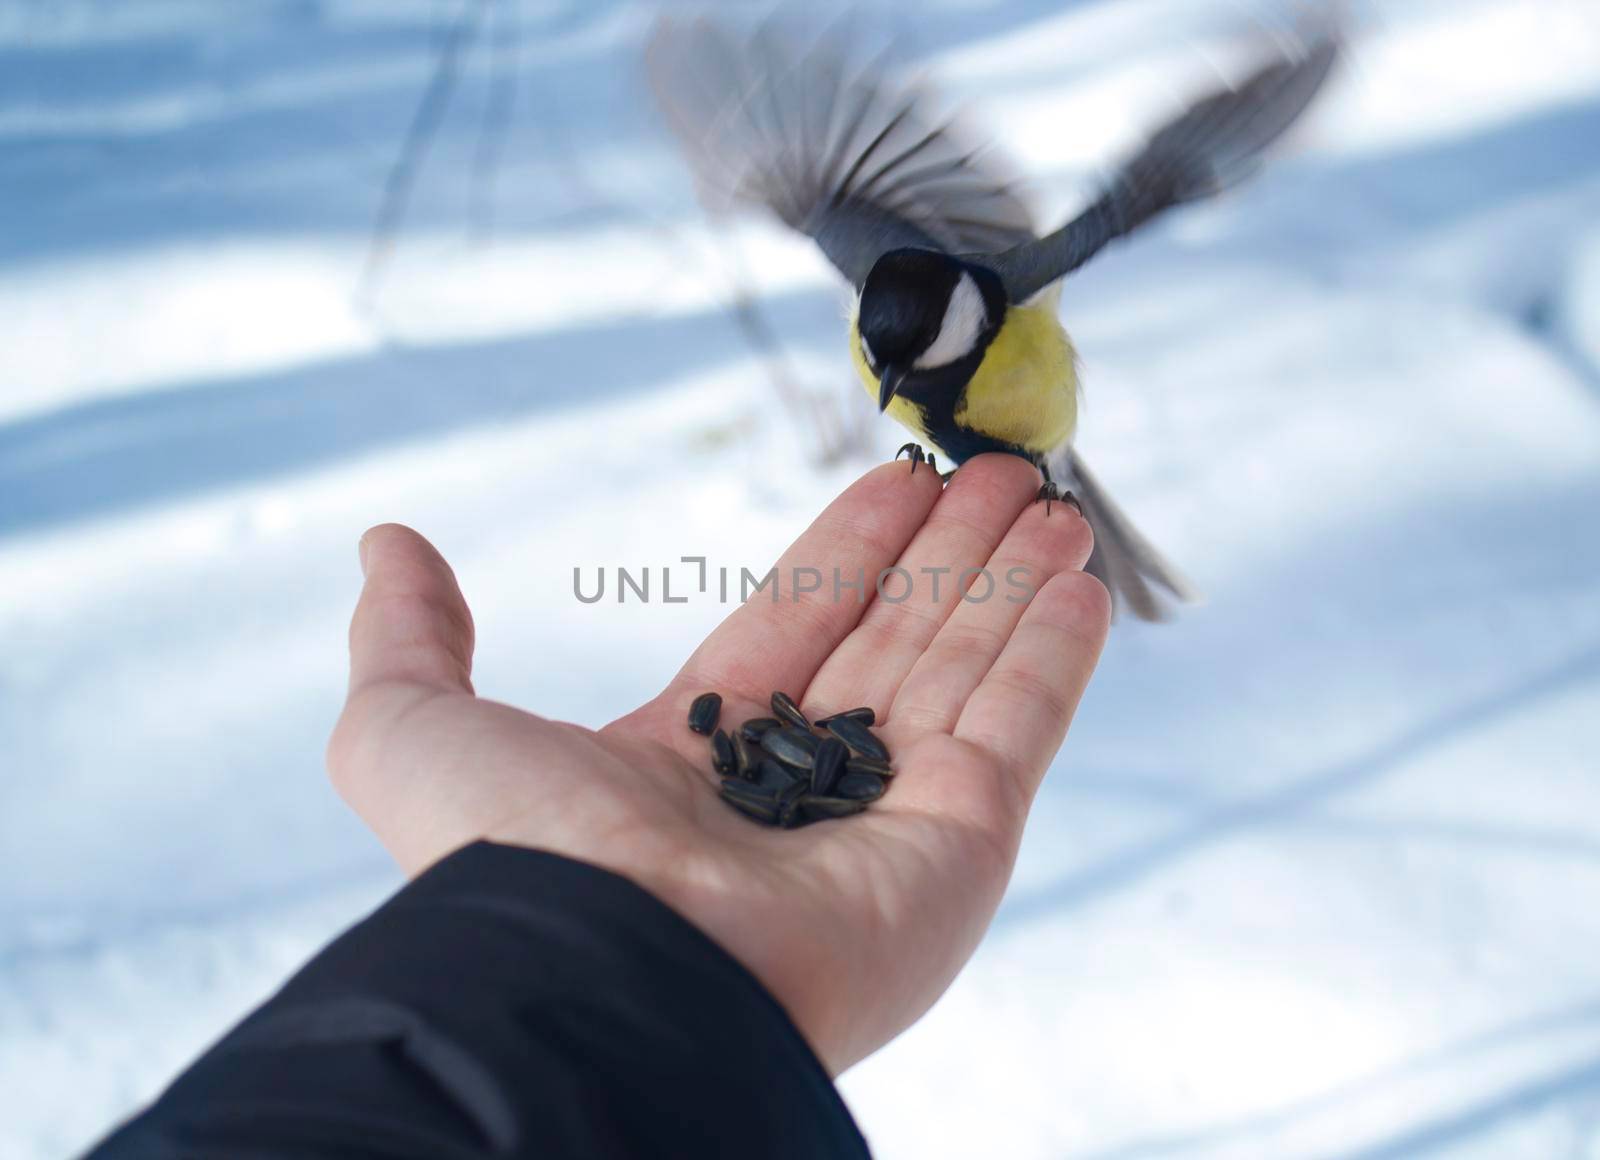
(937, 394)
(962, 443)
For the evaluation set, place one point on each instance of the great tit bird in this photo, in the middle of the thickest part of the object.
(954, 329)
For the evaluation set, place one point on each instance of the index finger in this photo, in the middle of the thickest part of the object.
(780, 641)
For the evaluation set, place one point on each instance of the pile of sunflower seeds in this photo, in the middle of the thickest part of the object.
(784, 771)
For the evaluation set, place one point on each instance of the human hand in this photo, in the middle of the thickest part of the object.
(856, 926)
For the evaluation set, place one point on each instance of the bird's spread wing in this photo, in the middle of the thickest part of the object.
(830, 145)
(1215, 143)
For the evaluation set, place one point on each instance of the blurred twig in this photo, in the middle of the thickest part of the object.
(419, 137)
(830, 435)
(503, 69)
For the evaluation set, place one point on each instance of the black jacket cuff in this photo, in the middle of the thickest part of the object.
(508, 1003)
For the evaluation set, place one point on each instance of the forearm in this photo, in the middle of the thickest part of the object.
(507, 1003)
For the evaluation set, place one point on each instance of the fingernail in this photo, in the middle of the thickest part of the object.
(361, 551)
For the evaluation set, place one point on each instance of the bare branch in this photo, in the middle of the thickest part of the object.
(504, 66)
(419, 138)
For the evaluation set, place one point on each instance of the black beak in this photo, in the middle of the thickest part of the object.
(888, 385)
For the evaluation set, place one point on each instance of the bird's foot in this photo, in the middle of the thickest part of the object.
(944, 476)
(1050, 491)
(916, 454)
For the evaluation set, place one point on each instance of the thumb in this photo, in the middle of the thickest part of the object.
(410, 642)
(411, 625)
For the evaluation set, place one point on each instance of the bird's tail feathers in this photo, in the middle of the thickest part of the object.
(1123, 560)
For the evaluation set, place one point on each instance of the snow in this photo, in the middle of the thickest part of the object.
(1315, 873)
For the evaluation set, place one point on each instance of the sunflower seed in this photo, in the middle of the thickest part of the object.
(783, 707)
(722, 759)
(791, 746)
(817, 809)
(747, 790)
(861, 787)
(763, 810)
(858, 764)
(766, 814)
(858, 737)
(794, 790)
(772, 776)
(865, 715)
(752, 729)
(786, 807)
(744, 761)
(783, 774)
(830, 759)
(704, 712)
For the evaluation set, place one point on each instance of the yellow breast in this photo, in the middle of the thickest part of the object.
(1026, 388)
(1025, 391)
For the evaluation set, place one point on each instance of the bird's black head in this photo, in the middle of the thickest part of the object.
(921, 310)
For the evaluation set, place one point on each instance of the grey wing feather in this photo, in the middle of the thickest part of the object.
(1214, 144)
(830, 145)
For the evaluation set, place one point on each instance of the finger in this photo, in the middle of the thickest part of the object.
(1039, 546)
(1020, 710)
(780, 636)
(411, 625)
(980, 503)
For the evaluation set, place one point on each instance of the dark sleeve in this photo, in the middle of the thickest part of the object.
(507, 1003)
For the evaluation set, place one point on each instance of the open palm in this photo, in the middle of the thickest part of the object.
(857, 925)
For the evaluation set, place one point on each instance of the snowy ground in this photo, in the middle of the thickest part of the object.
(1317, 873)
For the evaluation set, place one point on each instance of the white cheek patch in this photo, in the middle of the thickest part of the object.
(866, 350)
(958, 333)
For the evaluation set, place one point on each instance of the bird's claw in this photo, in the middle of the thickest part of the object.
(917, 455)
(1049, 491)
